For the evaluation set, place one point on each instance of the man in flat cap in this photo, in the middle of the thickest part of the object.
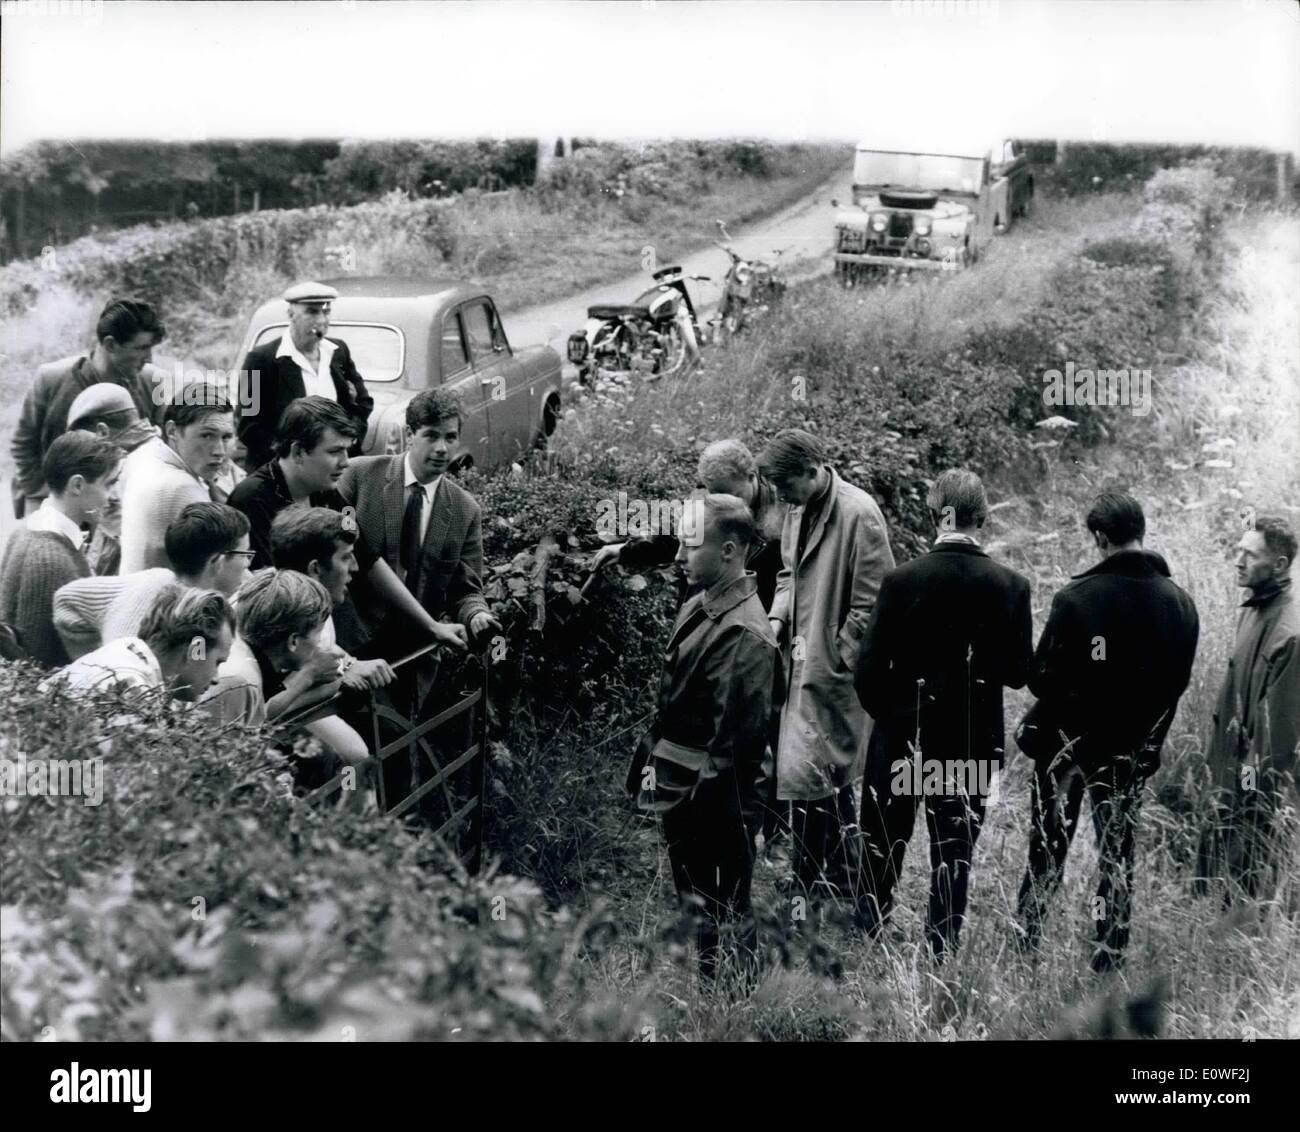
(301, 363)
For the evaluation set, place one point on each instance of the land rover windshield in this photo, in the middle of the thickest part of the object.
(924, 171)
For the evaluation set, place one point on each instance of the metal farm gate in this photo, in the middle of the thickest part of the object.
(446, 753)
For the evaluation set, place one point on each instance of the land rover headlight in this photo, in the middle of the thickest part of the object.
(879, 222)
(922, 226)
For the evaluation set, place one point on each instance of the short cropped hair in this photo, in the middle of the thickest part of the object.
(274, 604)
(730, 517)
(123, 319)
(962, 493)
(303, 535)
(180, 614)
(305, 420)
(791, 452)
(432, 407)
(78, 454)
(1118, 516)
(196, 400)
(726, 460)
(200, 531)
(1279, 536)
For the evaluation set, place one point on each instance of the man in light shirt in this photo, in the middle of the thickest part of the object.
(303, 362)
(182, 641)
(166, 474)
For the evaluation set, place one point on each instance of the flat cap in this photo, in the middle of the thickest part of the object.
(310, 293)
(99, 400)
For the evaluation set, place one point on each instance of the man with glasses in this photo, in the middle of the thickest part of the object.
(207, 549)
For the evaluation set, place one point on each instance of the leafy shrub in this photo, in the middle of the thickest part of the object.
(201, 900)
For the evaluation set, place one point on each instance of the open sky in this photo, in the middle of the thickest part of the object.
(1224, 71)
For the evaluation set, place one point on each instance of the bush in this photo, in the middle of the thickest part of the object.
(200, 900)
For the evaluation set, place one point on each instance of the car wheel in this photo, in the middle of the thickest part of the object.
(550, 419)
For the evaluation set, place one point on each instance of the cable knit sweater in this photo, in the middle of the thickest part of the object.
(94, 611)
(35, 565)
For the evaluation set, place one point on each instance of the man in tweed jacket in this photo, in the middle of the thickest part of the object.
(426, 527)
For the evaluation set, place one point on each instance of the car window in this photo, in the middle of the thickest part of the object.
(479, 328)
(453, 349)
(378, 352)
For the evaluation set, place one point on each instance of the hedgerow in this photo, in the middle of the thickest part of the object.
(201, 900)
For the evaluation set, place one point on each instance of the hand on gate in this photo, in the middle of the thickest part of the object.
(452, 634)
(482, 623)
(368, 675)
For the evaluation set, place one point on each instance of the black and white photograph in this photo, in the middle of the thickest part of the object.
(710, 521)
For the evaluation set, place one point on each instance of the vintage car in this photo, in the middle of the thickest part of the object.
(406, 335)
(935, 208)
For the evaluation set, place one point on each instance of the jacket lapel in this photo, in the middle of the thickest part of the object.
(819, 527)
(291, 381)
(394, 505)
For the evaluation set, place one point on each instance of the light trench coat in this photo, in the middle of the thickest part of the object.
(824, 603)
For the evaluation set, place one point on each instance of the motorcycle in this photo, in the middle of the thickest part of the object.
(656, 335)
(750, 289)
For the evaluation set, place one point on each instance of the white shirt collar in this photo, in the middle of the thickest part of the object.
(287, 349)
(957, 536)
(409, 477)
(49, 518)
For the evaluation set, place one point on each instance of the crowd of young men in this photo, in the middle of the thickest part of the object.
(814, 694)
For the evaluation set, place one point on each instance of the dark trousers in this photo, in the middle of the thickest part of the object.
(712, 858)
(825, 848)
(953, 821)
(1243, 843)
(1114, 791)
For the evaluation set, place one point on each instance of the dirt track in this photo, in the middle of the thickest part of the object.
(804, 229)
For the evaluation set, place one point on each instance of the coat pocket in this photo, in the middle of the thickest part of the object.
(847, 643)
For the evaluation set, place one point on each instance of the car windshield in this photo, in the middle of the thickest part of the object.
(376, 350)
(924, 171)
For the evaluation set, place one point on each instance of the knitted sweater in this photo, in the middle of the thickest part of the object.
(156, 487)
(35, 565)
(94, 611)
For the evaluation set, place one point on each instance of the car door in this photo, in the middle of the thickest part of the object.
(507, 400)
(458, 375)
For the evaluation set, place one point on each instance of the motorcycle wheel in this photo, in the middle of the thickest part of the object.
(673, 361)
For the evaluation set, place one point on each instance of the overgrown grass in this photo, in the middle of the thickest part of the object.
(1227, 384)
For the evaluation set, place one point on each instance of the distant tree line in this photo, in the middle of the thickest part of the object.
(54, 192)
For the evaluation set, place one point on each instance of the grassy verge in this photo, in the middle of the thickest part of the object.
(1218, 329)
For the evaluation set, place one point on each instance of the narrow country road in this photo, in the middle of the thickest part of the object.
(804, 229)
